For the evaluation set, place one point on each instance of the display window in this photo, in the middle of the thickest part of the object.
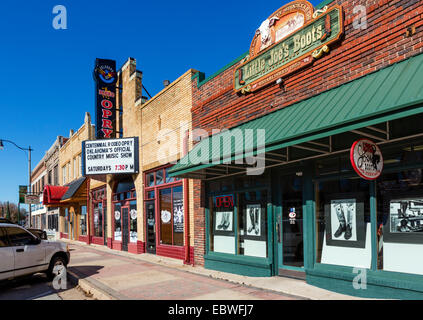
(343, 224)
(125, 214)
(400, 212)
(99, 205)
(164, 208)
(238, 219)
(83, 221)
(66, 222)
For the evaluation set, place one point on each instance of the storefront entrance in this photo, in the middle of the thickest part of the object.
(150, 227)
(290, 225)
(125, 216)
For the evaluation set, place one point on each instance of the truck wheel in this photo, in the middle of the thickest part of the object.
(56, 261)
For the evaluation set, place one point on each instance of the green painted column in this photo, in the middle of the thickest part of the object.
(277, 212)
(373, 221)
(308, 216)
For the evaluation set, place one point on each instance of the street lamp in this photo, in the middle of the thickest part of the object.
(29, 169)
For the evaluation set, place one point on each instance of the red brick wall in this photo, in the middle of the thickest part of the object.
(199, 223)
(359, 52)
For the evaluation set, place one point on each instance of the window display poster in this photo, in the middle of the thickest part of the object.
(178, 215)
(253, 220)
(406, 215)
(118, 232)
(224, 221)
(96, 213)
(133, 236)
(343, 219)
(165, 216)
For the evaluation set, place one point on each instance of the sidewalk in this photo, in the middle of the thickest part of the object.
(117, 275)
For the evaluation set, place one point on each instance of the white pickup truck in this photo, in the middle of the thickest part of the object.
(22, 253)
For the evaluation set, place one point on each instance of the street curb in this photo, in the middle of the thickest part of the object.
(217, 275)
(95, 288)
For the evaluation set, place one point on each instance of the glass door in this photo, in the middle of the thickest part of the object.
(290, 225)
(125, 228)
(151, 226)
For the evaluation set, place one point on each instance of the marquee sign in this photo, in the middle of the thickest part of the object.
(290, 39)
(366, 159)
(105, 112)
(110, 156)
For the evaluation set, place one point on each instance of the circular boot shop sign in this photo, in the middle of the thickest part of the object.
(366, 159)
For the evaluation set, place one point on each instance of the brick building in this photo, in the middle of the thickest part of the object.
(320, 171)
(38, 181)
(51, 159)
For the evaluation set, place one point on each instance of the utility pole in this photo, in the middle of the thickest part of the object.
(29, 183)
(29, 169)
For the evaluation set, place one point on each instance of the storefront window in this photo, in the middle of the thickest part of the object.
(98, 219)
(178, 216)
(159, 176)
(400, 214)
(118, 224)
(150, 195)
(133, 221)
(66, 229)
(150, 179)
(222, 231)
(168, 179)
(53, 222)
(171, 216)
(166, 216)
(83, 221)
(252, 219)
(343, 222)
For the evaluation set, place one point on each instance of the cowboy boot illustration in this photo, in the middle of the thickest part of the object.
(251, 214)
(348, 228)
(226, 223)
(222, 221)
(341, 219)
(256, 221)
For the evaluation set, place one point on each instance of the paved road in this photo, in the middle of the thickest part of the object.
(37, 287)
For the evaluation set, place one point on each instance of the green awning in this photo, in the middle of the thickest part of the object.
(388, 94)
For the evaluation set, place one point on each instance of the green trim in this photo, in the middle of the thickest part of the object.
(308, 216)
(291, 268)
(323, 3)
(201, 80)
(243, 265)
(270, 230)
(373, 224)
(380, 284)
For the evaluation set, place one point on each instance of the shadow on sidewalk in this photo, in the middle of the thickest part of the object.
(85, 271)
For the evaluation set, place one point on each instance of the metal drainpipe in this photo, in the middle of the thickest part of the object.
(186, 211)
(186, 207)
(88, 212)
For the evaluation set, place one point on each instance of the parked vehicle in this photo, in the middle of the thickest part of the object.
(39, 233)
(23, 253)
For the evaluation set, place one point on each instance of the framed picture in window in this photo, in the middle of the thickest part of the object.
(344, 220)
(254, 222)
(224, 221)
(405, 218)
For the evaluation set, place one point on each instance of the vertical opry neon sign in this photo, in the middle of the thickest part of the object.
(105, 77)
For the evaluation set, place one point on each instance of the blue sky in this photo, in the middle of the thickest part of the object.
(47, 86)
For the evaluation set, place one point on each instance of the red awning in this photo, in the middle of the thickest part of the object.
(53, 194)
